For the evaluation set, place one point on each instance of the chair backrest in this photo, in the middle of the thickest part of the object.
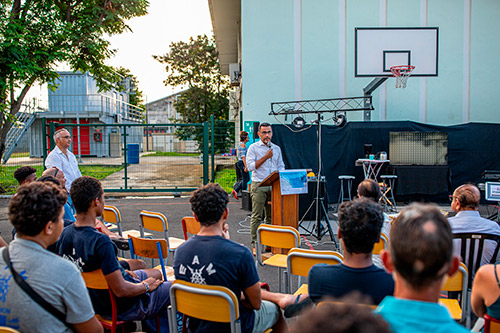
(300, 261)
(190, 226)
(150, 248)
(153, 221)
(471, 251)
(458, 282)
(5, 329)
(111, 214)
(192, 300)
(382, 244)
(491, 325)
(284, 237)
(96, 280)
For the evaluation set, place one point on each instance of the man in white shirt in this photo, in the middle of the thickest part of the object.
(62, 158)
(465, 203)
(263, 157)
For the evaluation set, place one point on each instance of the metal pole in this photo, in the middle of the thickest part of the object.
(205, 153)
(125, 150)
(212, 150)
(44, 140)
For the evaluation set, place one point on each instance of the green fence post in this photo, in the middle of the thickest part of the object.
(44, 140)
(125, 151)
(205, 153)
(212, 146)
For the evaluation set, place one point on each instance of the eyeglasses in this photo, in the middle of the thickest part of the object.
(65, 137)
(57, 170)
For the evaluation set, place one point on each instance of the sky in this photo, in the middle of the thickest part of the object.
(167, 21)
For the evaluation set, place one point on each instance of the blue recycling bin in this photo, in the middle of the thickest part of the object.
(133, 153)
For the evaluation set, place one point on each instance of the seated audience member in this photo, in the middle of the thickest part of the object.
(465, 203)
(25, 175)
(69, 213)
(339, 316)
(360, 222)
(420, 257)
(36, 212)
(141, 294)
(211, 258)
(485, 296)
(370, 189)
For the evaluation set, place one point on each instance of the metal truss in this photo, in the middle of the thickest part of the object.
(322, 105)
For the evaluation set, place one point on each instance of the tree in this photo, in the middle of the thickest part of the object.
(136, 96)
(195, 65)
(36, 35)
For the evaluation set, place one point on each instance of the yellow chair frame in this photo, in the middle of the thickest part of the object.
(277, 236)
(300, 261)
(111, 214)
(382, 244)
(154, 249)
(211, 303)
(158, 222)
(457, 282)
(190, 226)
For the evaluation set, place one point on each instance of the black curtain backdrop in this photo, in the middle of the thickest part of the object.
(472, 148)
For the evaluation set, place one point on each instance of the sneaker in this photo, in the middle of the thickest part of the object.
(235, 195)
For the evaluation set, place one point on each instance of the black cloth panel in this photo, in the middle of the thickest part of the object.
(472, 148)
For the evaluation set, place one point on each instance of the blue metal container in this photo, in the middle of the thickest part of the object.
(133, 153)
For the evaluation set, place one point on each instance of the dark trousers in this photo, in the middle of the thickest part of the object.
(242, 177)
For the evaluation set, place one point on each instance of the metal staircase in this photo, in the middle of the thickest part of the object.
(24, 118)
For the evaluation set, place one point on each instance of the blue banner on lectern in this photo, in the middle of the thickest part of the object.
(293, 181)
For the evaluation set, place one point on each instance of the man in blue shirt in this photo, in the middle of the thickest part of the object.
(211, 258)
(420, 257)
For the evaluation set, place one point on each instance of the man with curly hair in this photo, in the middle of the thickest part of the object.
(25, 175)
(211, 258)
(36, 211)
(141, 294)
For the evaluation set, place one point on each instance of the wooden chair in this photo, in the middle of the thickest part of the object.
(190, 226)
(96, 280)
(154, 249)
(211, 303)
(158, 222)
(457, 282)
(300, 261)
(382, 244)
(5, 329)
(276, 236)
(112, 215)
(491, 325)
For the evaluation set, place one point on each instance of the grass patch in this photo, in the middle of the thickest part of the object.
(226, 178)
(9, 184)
(169, 153)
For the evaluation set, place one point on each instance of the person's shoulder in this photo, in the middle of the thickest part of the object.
(323, 268)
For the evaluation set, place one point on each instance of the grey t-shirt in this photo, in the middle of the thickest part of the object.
(56, 279)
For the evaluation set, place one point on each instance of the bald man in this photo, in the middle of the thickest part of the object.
(465, 203)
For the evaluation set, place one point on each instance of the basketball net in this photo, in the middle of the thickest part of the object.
(402, 73)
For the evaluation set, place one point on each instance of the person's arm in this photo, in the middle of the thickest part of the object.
(281, 165)
(122, 288)
(3, 243)
(253, 297)
(479, 287)
(264, 158)
(244, 159)
(92, 325)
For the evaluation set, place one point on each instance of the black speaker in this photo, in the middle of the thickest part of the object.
(306, 199)
(256, 129)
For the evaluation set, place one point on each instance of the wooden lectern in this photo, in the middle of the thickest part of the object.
(284, 208)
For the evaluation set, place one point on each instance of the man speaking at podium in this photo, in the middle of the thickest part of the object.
(263, 157)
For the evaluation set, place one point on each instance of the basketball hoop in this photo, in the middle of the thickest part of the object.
(402, 73)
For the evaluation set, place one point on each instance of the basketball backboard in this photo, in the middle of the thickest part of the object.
(377, 49)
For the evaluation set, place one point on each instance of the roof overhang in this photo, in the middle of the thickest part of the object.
(226, 17)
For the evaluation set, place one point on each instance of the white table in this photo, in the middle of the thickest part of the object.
(371, 168)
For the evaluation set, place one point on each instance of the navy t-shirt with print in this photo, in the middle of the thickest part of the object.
(214, 260)
(89, 250)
